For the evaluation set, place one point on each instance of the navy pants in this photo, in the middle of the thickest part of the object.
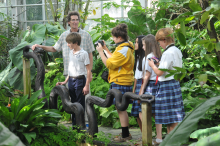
(76, 93)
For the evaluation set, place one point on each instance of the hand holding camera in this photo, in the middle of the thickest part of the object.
(99, 41)
(156, 61)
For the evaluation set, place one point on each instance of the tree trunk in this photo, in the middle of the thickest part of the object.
(66, 10)
(212, 33)
(86, 12)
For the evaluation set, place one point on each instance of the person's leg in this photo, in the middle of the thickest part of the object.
(80, 97)
(72, 93)
(139, 123)
(170, 127)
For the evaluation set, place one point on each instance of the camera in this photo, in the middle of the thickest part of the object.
(99, 41)
(155, 61)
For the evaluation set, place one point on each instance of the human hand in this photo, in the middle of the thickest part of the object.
(85, 90)
(99, 47)
(34, 46)
(157, 60)
(60, 83)
(151, 62)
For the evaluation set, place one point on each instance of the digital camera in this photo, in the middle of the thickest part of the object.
(99, 41)
(155, 61)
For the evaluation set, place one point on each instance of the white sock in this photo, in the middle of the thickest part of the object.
(159, 140)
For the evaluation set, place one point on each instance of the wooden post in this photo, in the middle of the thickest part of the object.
(27, 77)
(146, 124)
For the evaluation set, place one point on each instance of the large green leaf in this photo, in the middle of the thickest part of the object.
(180, 134)
(5, 72)
(194, 6)
(29, 136)
(212, 140)
(16, 54)
(15, 77)
(39, 30)
(213, 61)
(21, 104)
(202, 133)
(34, 97)
(182, 39)
(7, 138)
(14, 105)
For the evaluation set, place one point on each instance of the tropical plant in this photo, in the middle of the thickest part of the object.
(4, 140)
(27, 114)
(189, 123)
(206, 137)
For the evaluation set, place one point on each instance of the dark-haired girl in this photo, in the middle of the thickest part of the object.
(139, 55)
(121, 76)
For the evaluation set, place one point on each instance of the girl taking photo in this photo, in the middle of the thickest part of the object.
(121, 76)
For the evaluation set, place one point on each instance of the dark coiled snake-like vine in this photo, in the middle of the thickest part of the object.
(121, 101)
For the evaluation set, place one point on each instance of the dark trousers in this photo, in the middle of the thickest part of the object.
(76, 93)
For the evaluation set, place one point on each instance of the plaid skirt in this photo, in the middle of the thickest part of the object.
(169, 104)
(121, 88)
(151, 89)
(135, 104)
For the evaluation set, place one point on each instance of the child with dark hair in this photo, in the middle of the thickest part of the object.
(169, 107)
(139, 55)
(78, 67)
(121, 76)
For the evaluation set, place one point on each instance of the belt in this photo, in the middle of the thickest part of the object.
(77, 77)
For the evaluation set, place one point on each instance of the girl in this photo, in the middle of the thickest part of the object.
(149, 86)
(169, 108)
(121, 76)
(139, 55)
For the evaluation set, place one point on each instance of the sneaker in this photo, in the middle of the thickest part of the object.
(155, 143)
(120, 139)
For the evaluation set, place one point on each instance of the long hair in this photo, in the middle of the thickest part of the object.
(139, 53)
(152, 46)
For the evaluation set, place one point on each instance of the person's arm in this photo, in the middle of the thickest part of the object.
(155, 69)
(99, 48)
(107, 52)
(46, 48)
(62, 83)
(88, 80)
(146, 79)
(135, 83)
(90, 60)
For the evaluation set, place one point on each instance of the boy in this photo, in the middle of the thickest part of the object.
(77, 69)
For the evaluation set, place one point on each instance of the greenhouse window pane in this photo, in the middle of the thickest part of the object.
(34, 13)
(33, 1)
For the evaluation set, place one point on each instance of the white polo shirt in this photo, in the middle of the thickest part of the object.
(78, 62)
(172, 57)
(148, 68)
(138, 73)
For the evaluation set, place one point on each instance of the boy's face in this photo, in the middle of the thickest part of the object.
(71, 45)
(74, 22)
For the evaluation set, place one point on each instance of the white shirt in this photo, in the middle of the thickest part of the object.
(78, 62)
(148, 68)
(138, 73)
(172, 57)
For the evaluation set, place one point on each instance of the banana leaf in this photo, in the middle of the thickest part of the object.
(202, 133)
(180, 134)
(7, 138)
(211, 140)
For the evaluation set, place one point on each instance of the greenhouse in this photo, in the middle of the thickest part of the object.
(109, 72)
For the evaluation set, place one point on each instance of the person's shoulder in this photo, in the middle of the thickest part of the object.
(65, 33)
(150, 55)
(83, 51)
